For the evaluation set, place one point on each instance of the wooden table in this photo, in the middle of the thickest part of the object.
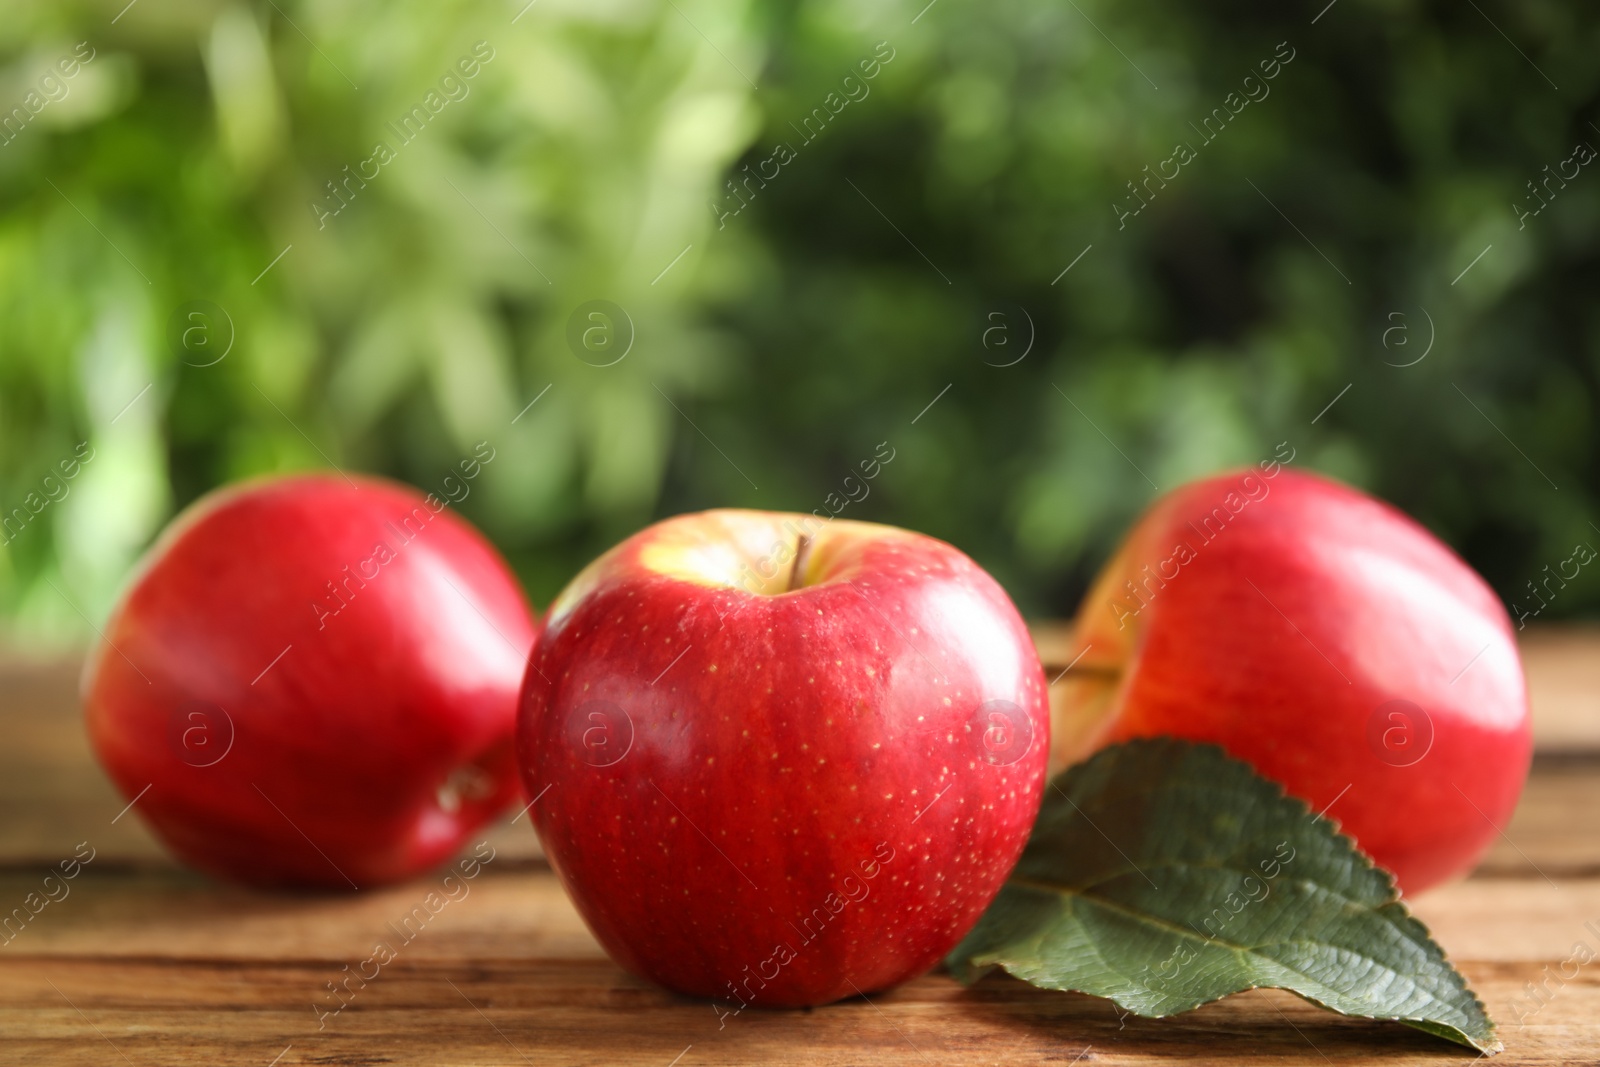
(145, 963)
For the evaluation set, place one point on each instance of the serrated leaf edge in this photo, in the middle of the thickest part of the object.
(975, 967)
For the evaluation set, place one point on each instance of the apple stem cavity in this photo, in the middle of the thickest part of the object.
(802, 553)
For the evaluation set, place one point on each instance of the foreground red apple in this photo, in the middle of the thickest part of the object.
(778, 765)
(316, 679)
(1327, 639)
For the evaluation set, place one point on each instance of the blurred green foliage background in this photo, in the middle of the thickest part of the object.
(913, 236)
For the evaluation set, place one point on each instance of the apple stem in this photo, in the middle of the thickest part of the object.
(802, 550)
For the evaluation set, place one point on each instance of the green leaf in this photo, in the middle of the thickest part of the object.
(1165, 875)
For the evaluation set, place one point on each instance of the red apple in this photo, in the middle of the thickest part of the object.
(779, 761)
(1325, 638)
(316, 678)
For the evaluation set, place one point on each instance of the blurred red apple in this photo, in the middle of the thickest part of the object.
(782, 761)
(317, 679)
(1327, 639)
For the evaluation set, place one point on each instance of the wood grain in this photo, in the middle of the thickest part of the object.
(522, 913)
(494, 1011)
(1543, 838)
(145, 963)
(1563, 665)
